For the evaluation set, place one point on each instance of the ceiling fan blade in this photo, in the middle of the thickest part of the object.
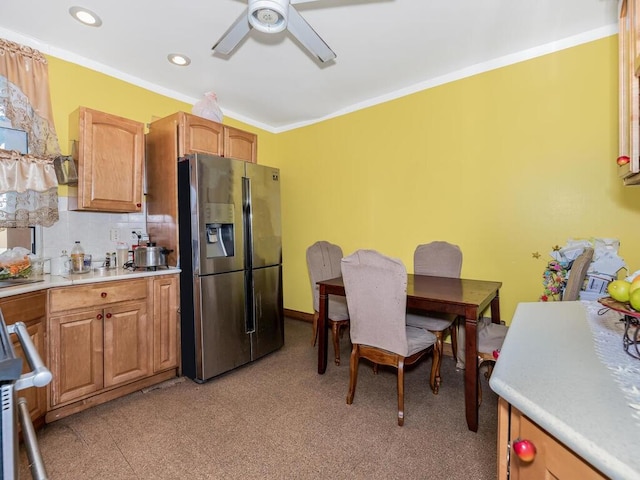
(306, 35)
(293, 2)
(232, 37)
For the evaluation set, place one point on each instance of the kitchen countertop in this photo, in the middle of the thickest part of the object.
(94, 276)
(549, 369)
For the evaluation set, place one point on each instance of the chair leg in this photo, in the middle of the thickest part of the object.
(401, 392)
(315, 328)
(454, 340)
(434, 381)
(489, 371)
(353, 373)
(335, 330)
(487, 375)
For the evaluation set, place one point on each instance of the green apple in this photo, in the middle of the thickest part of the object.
(619, 290)
(634, 300)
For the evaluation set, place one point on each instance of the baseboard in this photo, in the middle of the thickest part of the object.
(296, 315)
(308, 317)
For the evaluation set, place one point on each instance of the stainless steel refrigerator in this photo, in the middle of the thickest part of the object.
(231, 261)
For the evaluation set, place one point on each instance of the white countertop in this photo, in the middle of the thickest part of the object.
(549, 370)
(94, 276)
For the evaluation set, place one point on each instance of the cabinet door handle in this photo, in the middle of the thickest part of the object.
(108, 315)
(138, 205)
(524, 449)
(99, 316)
(103, 294)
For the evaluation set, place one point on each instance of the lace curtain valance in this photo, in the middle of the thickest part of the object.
(28, 185)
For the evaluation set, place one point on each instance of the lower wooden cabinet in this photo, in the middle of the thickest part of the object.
(98, 348)
(553, 460)
(76, 361)
(29, 308)
(127, 343)
(109, 339)
(165, 323)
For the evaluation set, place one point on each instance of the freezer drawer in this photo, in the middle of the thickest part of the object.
(223, 343)
(269, 314)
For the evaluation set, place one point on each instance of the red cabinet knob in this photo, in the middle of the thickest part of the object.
(103, 294)
(138, 205)
(108, 315)
(623, 160)
(99, 316)
(524, 449)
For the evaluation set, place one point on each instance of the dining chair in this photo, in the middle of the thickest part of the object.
(323, 263)
(440, 259)
(490, 340)
(577, 274)
(376, 290)
(491, 337)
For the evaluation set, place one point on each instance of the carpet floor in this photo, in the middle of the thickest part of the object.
(278, 419)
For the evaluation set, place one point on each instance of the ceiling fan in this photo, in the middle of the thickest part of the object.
(273, 16)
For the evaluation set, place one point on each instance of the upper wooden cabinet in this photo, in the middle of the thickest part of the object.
(197, 134)
(240, 144)
(109, 153)
(168, 139)
(629, 90)
(183, 133)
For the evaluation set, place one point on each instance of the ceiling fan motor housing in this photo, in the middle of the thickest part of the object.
(268, 16)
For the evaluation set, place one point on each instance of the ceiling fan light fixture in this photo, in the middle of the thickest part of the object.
(268, 16)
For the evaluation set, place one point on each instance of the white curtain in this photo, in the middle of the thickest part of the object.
(28, 185)
(28, 191)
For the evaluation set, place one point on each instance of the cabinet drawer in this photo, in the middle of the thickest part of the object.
(24, 308)
(96, 294)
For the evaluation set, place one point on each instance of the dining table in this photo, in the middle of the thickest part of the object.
(466, 298)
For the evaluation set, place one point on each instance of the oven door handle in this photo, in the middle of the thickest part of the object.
(38, 471)
(39, 376)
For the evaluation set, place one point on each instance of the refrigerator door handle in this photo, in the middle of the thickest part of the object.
(250, 302)
(257, 307)
(247, 219)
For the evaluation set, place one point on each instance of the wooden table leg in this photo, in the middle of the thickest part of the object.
(471, 371)
(322, 330)
(495, 309)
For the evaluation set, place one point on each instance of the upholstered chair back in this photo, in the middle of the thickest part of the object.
(376, 289)
(577, 275)
(439, 259)
(323, 263)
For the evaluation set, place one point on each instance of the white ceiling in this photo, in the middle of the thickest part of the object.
(385, 48)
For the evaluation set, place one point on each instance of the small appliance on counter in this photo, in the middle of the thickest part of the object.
(148, 257)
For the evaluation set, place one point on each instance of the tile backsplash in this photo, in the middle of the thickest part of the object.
(94, 230)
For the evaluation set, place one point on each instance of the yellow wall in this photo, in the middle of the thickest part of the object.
(505, 163)
(73, 86)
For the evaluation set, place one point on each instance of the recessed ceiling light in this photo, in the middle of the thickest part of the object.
(179, 59)
(85, 16)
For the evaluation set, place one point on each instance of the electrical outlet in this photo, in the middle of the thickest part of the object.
(114, 234)
(135, 235)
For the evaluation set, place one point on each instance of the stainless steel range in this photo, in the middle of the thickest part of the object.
(15, 409)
